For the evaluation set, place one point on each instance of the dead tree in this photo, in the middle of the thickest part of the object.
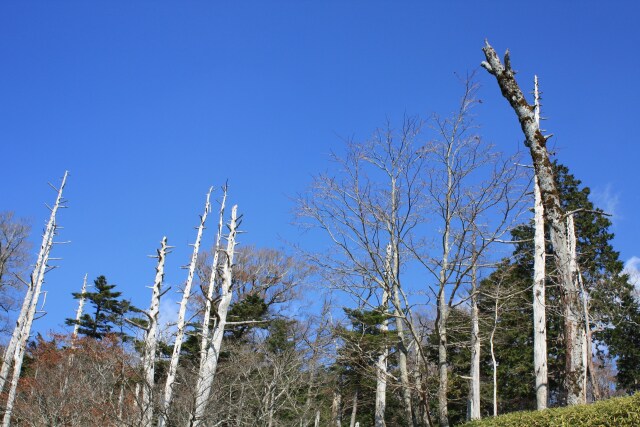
(186, 293)
(76, 327)
(208, 302)
(539, 274)
(15, 350)
(151, 338)
(210, 363)
(575, 341)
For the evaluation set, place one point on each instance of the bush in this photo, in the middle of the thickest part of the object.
(616, 412)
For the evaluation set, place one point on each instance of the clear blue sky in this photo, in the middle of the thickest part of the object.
(147, 104)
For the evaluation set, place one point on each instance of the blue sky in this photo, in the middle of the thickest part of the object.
(147, 104)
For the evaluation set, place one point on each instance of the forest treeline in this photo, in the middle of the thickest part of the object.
(448, 282)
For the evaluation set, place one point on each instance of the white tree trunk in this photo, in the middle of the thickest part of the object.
(16, 349)
(473, 407)
(381, 363)
(151, 339)
(186, 294)
(76, 327)
(354, 409)
(577, 317)
(205, 380)
(204, 339)
(539, 299)
(336, 409)
(574, 327)
(494, 363)
(381, 376)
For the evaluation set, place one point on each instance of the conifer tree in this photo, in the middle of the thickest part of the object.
(107, 314)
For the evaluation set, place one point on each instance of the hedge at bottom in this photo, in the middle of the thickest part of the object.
(616, 412)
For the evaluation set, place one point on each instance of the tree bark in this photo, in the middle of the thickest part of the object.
(573, 325)
(186, 294)
(205, 380)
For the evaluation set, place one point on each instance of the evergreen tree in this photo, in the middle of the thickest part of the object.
(614, 313)
(109, 310)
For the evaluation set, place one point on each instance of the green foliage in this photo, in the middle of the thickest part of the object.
(614, 312)
(109, 311)
(616, 412)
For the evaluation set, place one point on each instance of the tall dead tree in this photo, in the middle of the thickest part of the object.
(539, 275)
(151, 338)
(213, 277)
(210, 363)
(180, 327)
(15, 350)
(575, 342)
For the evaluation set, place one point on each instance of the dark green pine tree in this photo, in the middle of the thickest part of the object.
(107, 313)
(613, 310)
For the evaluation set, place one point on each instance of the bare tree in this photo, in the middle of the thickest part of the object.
(151, 338)
(14, 256)
(539, 276)
(367, 211)
(81, 300)
(210, 362)
(475, 196)
(186, 294)
(575, 337)
(14, 353)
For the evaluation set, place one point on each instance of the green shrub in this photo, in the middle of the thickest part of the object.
(616, 412)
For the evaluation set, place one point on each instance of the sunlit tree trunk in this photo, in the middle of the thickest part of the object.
(473, 407)
(354, 409)
(539, 274)
(205, 380)
(76, 327)
(180, 327)
(151, 339)
(336, 409)
(211, 287)
(554, 214)
(17, 346)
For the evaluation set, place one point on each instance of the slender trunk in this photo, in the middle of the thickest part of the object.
(205, 379)
(317, 420)
(580, 347)
(204, 339)
(336, 410)
(473, 407)
(494, 363)
(151, 339)
(381, 372)
(354, 409)
(539, 299)
(24, 327)
(554, 214)
(186, 293)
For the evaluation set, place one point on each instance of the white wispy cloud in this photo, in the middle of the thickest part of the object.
(168, 315)
(607, 199)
